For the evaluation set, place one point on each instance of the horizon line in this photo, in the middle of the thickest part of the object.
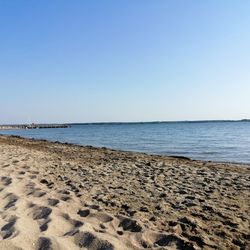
(132, 122)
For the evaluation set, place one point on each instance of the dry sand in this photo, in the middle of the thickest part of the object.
(60, 196)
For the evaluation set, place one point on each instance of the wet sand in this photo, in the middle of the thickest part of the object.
(61, 196)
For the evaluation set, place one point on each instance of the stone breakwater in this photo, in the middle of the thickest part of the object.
(61, 196)
(33, 126)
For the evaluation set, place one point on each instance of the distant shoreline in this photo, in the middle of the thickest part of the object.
(118, 123)
(157, 122)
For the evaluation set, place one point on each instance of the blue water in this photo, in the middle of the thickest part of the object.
(217, 141)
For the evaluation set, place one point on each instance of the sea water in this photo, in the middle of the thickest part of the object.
(217, 141)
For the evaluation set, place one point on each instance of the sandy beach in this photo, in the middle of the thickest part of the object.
(62, 196)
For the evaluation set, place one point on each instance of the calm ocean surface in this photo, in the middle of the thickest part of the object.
(217, 141)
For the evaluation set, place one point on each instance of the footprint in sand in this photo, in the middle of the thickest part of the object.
(172, 240)
(44, 224)
(49, 184)
(32, 190)
(26, 167)
(128, 224)
(53, 202)
(44, 243)
(42, 215)
(102, 217)
(75, 223)
(32, 176)
(38, 193)
(65, 195)
(6, 165)
(6, 180)
(8, 230)
(90, 241)
(84, 213)
(12, 199)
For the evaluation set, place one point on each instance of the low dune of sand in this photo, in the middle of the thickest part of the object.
(60, 196)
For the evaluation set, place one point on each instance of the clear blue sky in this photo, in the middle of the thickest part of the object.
(133, 60)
